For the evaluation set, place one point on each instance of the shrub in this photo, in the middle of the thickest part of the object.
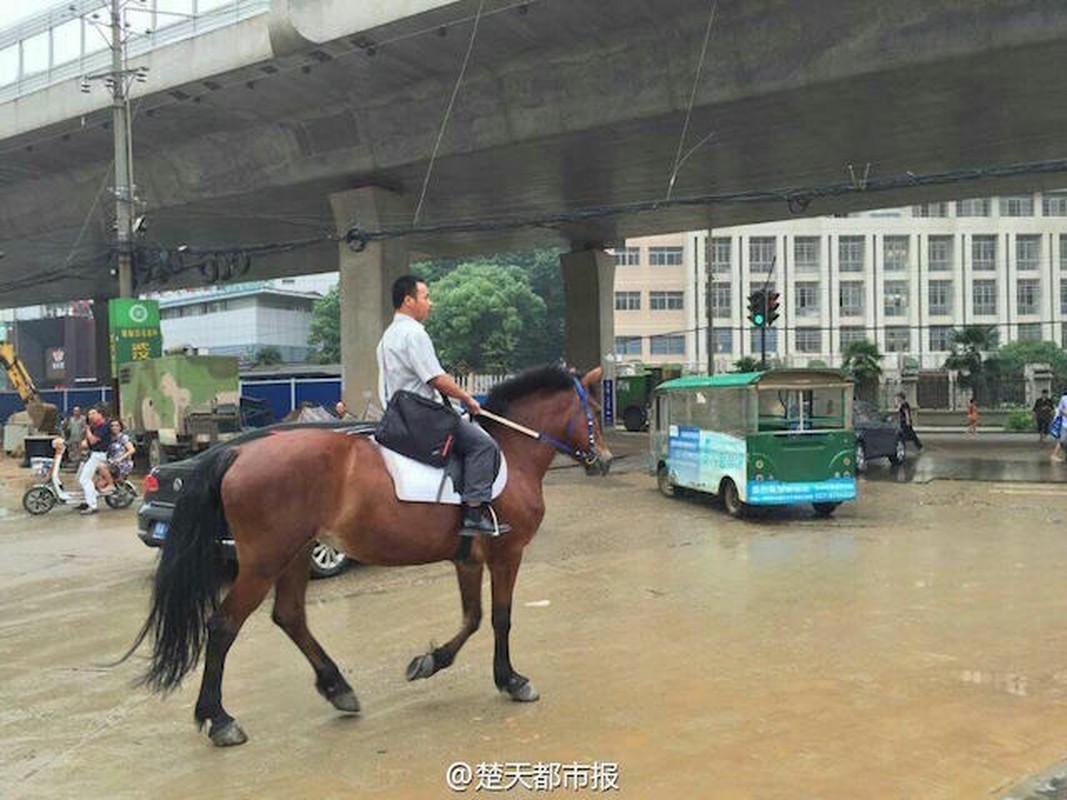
(1020, 420)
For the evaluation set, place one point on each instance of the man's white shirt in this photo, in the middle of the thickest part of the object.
(406, 360)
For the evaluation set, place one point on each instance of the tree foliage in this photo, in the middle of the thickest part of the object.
(747, 364)
(863, 361)
(326, 327)
(973, 355)
(486, 318)
(1016, 355)
(267, 356)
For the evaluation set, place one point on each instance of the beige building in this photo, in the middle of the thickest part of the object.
(904, 278)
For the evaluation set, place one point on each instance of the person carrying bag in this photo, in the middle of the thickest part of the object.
(418, 422)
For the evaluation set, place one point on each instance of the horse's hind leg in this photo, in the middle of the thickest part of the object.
(246, 594)
(290, 616)
(470, 592)
(517, 687)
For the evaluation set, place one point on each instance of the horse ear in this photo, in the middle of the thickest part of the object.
(592, 377)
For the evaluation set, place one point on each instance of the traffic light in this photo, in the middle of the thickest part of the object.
(773, 299)
(757, 308)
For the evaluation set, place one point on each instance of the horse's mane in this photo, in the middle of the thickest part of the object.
(535, 379)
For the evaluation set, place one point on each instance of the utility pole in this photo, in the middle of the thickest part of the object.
(708, 303)
(123, 175)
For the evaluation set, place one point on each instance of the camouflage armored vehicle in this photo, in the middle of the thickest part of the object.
(177, 405)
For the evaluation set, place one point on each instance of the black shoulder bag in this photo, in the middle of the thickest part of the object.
(418, 428)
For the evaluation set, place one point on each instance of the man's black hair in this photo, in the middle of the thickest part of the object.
(404, 286)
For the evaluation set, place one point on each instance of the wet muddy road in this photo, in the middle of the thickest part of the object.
(914, 646)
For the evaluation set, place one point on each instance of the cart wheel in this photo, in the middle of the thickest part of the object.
(731, 500)
(39, 500)
(663, 481)
(824, 509)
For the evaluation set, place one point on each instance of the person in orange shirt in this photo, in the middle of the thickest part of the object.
(972, 416)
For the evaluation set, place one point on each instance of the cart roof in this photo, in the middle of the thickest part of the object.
(774, 378)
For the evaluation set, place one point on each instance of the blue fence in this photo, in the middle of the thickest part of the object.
(283, 395)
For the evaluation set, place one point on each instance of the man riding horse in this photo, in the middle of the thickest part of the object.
(408, 361)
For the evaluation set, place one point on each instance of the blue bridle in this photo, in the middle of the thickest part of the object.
(588, 456)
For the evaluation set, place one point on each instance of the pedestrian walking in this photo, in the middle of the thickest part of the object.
(907, 426)
(1044, 411)
(1056, 429)
(972, 416)
(74, 430)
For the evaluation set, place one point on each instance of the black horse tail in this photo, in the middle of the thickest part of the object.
(187, 582)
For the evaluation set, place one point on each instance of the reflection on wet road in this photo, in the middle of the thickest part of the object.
(983, 458)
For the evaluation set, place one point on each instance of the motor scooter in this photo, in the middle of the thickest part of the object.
(43, 497)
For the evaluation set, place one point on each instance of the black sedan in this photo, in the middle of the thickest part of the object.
(164, 483)
(877, 435)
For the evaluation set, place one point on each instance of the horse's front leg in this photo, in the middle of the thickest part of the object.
(503, 574)
(469, 575)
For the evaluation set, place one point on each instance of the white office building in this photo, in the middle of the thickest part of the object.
(904, 278)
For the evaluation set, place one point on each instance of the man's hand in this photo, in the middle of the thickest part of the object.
(473, 407)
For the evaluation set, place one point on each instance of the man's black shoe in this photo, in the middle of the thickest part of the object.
(477, 520)
(82, 506)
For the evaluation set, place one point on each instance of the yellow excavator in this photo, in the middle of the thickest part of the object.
(43, 415)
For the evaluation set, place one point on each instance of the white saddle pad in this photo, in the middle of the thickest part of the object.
(416, 482)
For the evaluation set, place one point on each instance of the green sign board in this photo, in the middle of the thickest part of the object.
(134, 329)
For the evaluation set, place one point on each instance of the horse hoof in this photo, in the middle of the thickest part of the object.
(227, 735)
(421, 667)
(346, 702)
(522, 692)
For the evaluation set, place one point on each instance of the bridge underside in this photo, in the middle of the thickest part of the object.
(562, 109)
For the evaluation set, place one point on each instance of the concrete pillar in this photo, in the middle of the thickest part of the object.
(1038, 377)
(589, 317)
(909, 384)
(366, 279)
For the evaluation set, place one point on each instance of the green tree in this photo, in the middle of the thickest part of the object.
(1016, 355)
(973, 355)
(486, 318)
(326, 327)
(267, 356)
(863, 361)
(747, 364)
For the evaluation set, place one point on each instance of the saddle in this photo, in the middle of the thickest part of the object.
(416, 482)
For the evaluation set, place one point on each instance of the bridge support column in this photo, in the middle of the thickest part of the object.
(366, 279)
(589, 307)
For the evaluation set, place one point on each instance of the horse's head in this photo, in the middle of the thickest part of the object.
(584, 431)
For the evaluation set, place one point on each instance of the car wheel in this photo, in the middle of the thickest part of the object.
(663, 482)
(39, 500)
(731, 500)
(327, 561)
(861, 457)
(899, 453)
(824, 509)
(633, 419)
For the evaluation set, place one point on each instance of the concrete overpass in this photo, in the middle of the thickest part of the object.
(269, 121)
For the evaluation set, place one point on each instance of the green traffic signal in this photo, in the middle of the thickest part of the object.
(757, 320)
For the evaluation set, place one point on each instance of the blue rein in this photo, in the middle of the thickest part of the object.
(589, 456)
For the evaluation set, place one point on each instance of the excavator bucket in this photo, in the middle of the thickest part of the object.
(43, 415)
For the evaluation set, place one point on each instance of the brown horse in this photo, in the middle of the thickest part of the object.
(280, 493)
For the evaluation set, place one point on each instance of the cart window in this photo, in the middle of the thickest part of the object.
(802, 409)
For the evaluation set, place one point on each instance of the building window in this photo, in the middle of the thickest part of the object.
(807, 299)
(1028, 251)
(1055, 204)
(940, 338)
(809, 340)
(896, 298)
(940, 295)
(668, 344)
(1030, 332)
(850, 335)
(984, 252)
(721, 254)
(722, 340)
(1017, 206)
(984, 295)
(1028, 296)
(1063, 297)
(628, 345)
(772, 340)
(897, 340)
(973, 208)
(665, 256)
(627, 301)
(627, 256)
(939, 252)
(930, 210)
(850, 250)
(895, 250)
(666, 301)
(721, 300)
(852, 296)
(1063, 249)
(806, 253)
(761, 253)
